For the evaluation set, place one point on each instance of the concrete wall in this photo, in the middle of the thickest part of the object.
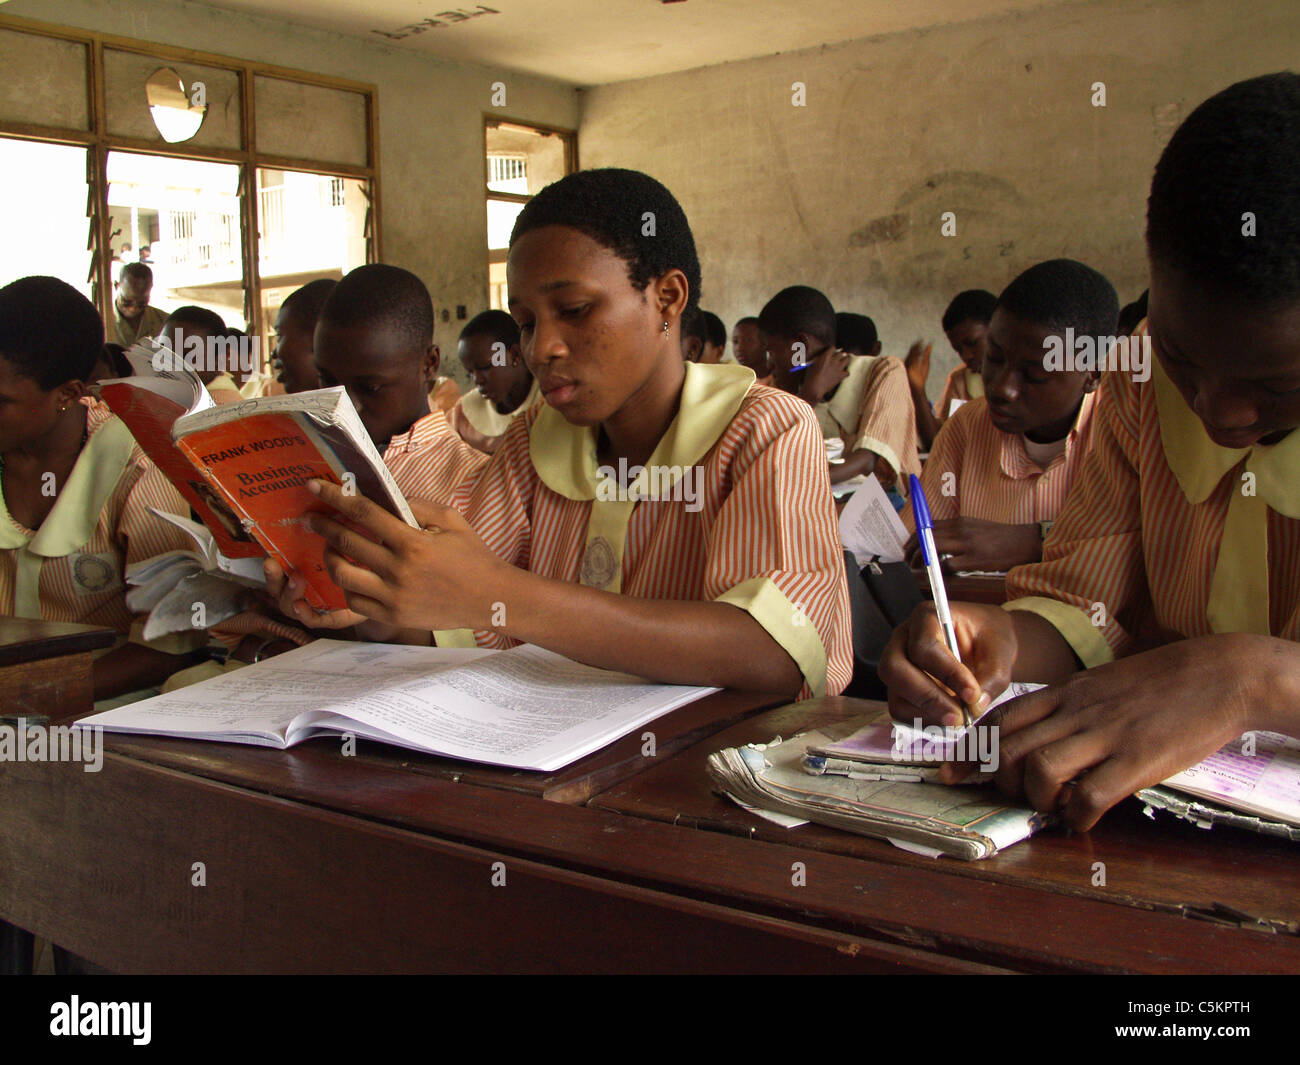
(992, 120)
(431, 125)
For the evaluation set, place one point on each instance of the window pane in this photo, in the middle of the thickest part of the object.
(127, 104)
(46, 228)
(300, 121)
(522, 160)
(501, 220)
(309, 226)
(182, 217)
(44, 80)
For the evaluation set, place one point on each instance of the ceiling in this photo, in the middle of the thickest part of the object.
(594, 42)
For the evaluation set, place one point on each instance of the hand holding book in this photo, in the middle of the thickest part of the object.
(434, 577)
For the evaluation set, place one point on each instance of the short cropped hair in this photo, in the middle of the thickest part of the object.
(799, 309)
(715, 332)
(49, 331)
(855, 332)
(1224, 209)
(137, 271)
(198, 317)
(694, 325)
(496, 325)
(973, 305)
(747, 320)
(628, 212)
(383, 295)
(1063, 294)
(304, 304)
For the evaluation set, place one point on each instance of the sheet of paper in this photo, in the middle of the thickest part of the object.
(870, 526)
(908, 741)
(1258, 773)
(526, 708)
(954, 404)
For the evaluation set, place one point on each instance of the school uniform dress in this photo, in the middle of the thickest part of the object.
(995, 475)
(444, 394)
(429, 461)
(760, 532)
(71, 568)
(1164, 534)
(872, 410)
(477, 421)
(962, 384)
(149, 324)
(223, 389)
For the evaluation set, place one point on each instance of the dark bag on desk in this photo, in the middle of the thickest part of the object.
(881, 596)
(893, 588)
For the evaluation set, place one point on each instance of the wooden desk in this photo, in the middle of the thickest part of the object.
(1151, 867)
(45, 667)
(316, 862)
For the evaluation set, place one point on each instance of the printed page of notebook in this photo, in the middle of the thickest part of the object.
(1261, 777)
(909, 740)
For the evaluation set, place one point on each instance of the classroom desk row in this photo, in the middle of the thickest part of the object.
(185, 856)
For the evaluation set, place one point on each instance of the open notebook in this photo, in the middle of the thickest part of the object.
(526, 708)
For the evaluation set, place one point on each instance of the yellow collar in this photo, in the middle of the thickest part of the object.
(846, 405)
(564, 455)
(1199, 464)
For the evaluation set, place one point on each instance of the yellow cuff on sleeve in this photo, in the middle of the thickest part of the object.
(454, 638)
(870, 443)
(1084, 638)
(786, 624)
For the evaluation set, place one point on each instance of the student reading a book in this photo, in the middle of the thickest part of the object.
(75, 489)
(375, 338)
(655, 516)
(861, 399)
(186, 324)
(1172, 576)
(966, 325)
(293, 359)
(489, 350)
(1003, 464)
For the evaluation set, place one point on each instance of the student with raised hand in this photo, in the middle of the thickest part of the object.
(1165, 614)
(862, 399)
(1003, 464)
(503, 385)
(75, 488)
(293, 359)
(966, 325)
(719, 563)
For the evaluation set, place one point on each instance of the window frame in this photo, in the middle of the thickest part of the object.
(99, 143)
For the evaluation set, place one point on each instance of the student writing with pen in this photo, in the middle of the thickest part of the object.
(1165, 613)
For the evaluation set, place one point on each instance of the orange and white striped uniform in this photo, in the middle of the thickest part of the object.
(872, 409)
(429, 461)
(1164, 536)
(760, 531)
(71, 568)
(963, 384)
(993, 476)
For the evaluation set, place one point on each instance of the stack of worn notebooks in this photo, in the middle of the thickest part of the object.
(870, 776)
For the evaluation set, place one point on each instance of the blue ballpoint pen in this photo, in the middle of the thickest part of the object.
(925, 534)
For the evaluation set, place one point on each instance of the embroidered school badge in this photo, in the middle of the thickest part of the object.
(94, 573)
(598, 564)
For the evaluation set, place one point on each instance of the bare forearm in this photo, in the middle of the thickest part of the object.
(927, 425)
(1280, 661)
(861, 463)
(670, 641)
(1042, 653)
